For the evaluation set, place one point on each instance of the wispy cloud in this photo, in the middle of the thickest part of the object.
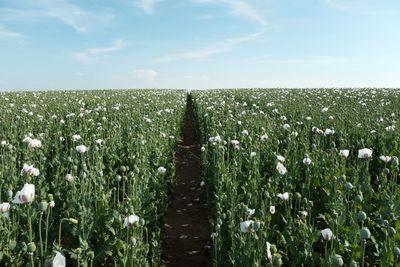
(238, 8)
(86, 55)
(317, 60)
(146, 5)
(8, 34)
(148, 75)
(219, 47)
(62, 10)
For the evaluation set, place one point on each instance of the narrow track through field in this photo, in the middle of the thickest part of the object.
(187, 230)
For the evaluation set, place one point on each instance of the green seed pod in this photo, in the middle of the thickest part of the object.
(397, 252)
(43, 205)
(9, 194)
(50, 197)
(362, 216)
(31, 247)
(118, 178)
(392, 231)
(365, 233)
(123, 168)
(359, 198)
(297, 195)
(386, 171)
(256, 225)
(348, 186)
(337, 261)
(277, 260)
(353, 264)
(395, 161)
(90, 255)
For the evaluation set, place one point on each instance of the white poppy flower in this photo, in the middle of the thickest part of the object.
(284, 196)
(344, 153)
(27, 139)
(76, 137)
(269, 254)
(35, 143)
(30, 170)
(250, 212)
(245, 133)
(385, 159)
(58, 260)
(327, 234)
(69, 177)
(161, 170)
(364, 153)
(286, 126)
(329, 131)
(272, 209)
(81, 149)
(27, 194)
(131, 220)
(5, 207)
(307, 161)
(281, 169)
(264, 138)
(246, 226)
(280, 158)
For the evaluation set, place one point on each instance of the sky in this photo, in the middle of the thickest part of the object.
(198, 44)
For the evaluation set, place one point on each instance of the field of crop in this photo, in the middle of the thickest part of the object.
(85, 175)
(302, 177)
(293, 177)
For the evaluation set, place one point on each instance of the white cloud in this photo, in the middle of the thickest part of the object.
(62, 10)
(88, 53)
(219, 47)
(8, 34)
(148, 75)
(78, 73)
(238, 8)
(146, 5)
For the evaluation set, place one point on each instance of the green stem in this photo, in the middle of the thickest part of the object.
(59, 232)
(47, 230)
(363, 252)
(40, 234)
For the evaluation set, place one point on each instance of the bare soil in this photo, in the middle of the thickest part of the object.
(186, 240)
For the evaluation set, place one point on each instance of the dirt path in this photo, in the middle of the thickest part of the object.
(187, 228)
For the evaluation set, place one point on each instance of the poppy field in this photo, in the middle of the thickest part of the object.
(302, 177)
(84, 176)
(305, 177)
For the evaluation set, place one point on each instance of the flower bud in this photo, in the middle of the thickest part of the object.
(353, 264)
(31, 247)
(277, 260)
(73, 221)
(392, 231)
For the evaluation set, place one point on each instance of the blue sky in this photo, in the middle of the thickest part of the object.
(70, 44)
